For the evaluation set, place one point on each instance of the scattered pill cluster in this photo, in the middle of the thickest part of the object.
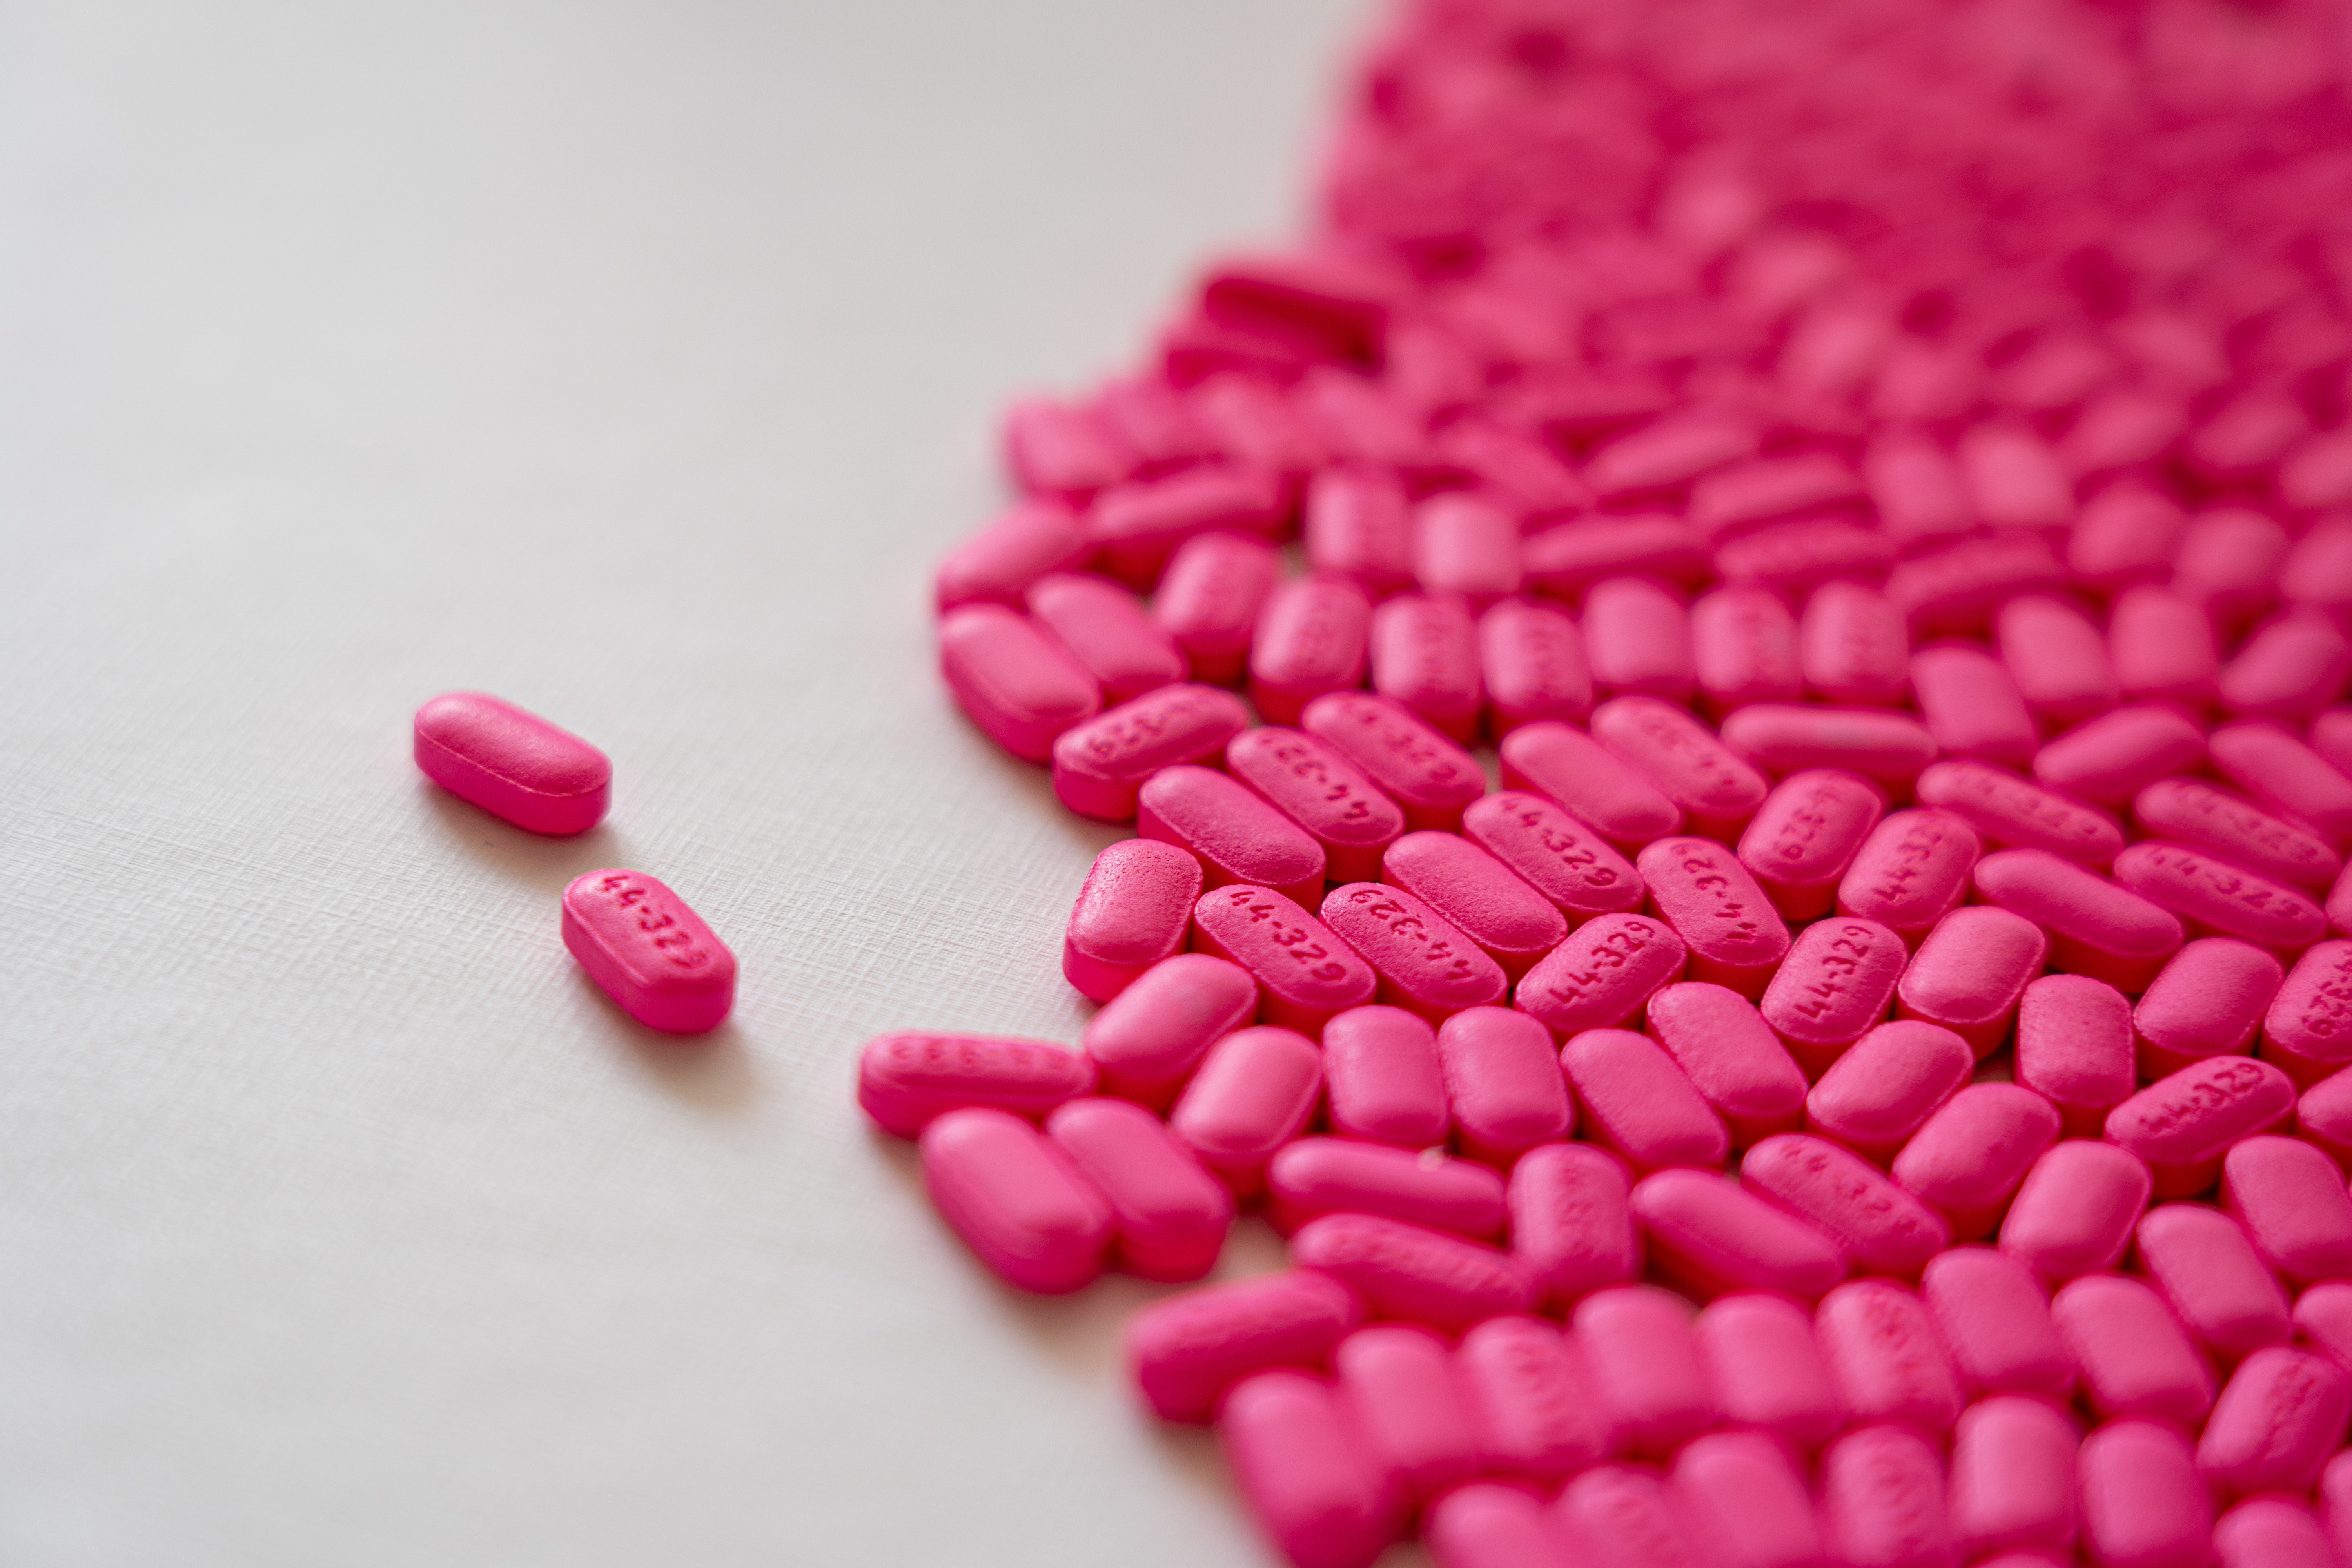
(1868, 1088)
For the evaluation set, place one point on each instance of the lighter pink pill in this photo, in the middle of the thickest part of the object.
(1427, 774)
(2076, 1212)
(1639, 1103)
(649, 952)
(1305, 1473)
(2323, 1319)
(1134, 909)
(1911, 872)
(1970, 973)
(1106, 627)
(1359, 525)
(1565, 764)
(2074, 1048)
(1490, 1525)
(1766, 1370)
(1955, 589)
(1969, 1157)
(2203, 816)
(2207, 1001)
(1709, 782)
(907, 1078)
(2183, 1124)
(1209, 601)
(1734, 937)
(1745, 1503)
(1882, 1500)
(1973, 707)
(515, 764)
(1169, 1216)
(2126, 533)
(2307, 1028)
(1879, 1227)
(1531, 1399)
(2136, 1358)
(1187, 1350)
(1744, 648)
(2014, 814)
(1425, 962)
(1806, 835)
(1532, 658)
(2215, 895)
(2323, 1116)
(1731, 1056)
(1253, 1093)
(1308, 973)
(1464, 543)
(1567, 559)
(1833, 988)
(1312, 636)
(2271, 1532)
(1503, 1080)
(1098, 765)
(1709, 1235)
(1399, 1387)
(998, 562)
(1638, 1340)
(1015, 1199)
(1854, 647)
(2292, 666)
(2291, 1198)
(1566, 862)
(1511, 922)
(2209, 1273)
(2095, 926)
(1889, 747)
(1602, 974)
(1386, 1084)
(1884, 1358)
(1147, 1040)
(1411, 1272)
(2111, 759)
(2013, 1476)
(1570, 1227)
(2143, 1504)
(1637, 640)
(1619, 1513)
(1994, 1320)
(1877, 1094)
(1051, 445)
(1322, 792)
(1021, 687)
(1425, 657)
(2057, 658)
(2228, 563)
(1231, 831)
(2162, 648)
(2281, 1415)
(2282, 773)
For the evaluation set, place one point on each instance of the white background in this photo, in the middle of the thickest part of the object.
(634, 360)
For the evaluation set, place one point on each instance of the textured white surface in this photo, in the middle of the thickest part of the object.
(634, 361)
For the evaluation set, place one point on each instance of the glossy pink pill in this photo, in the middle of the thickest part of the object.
(1098, 765)
(1878, 1226)
(1308, 973)
(2198, 814)
(1889, 747)
(2291, 667)
(1833, 988)
(1147, 1040)
(1414, 1273)
(1570, 1226)
(2135, 1357)
(1877, 1094)
(1565, 764)
(1970, 973)
(2207, 1001)
(1639, 1103)
(1510, 921)
(1312, 636)
(1911, 872)
(2215, 895)
(1639, 1343)
(1169, 1216)
(1464, 543)
(1683, 759)
(1955, 589)
(1620, 1514)
(2074, 1048)
(2271, 1532)
(1254, 1092)
(1322, 792)
(2162, 648)
(1766, 1370)
(1231, 831)
(1400, 1392)
(1854, 647)
(2111, 759)
(513, 764)
(647, 950)
(2095, 926)
(2057, 658)
(1315, 1176)
(1490, 1525)
(1745, 1503)
(2279, 1417)
(2286, 775)
(1731, 1056)
(907, 1077)
(2291, 1198)
(1427, 774)
(1209, 601)
(2076, 1209)
(1806, 835)
(1994, 1320)
(1969, 1157)
(1884, 1358)
(998, 562)
(1744, 648)
(1882, 1500)
(1637, 640)
(1602, 974)
(2182, 1124)
(1734, 936)
(2013, 1476)
(2209, 1273)
(1532, 658)
(1021, 687)
(1425, 657)
(1567, 864)
(1134, 909)
(2014, 813)
(1358, 525)
(2142, 1503)
(1104, 626)
(1187, 1350)
(1015, 1199)
(2307, 1028)
(1304, 1471)
(1973, 707)
(1710, 1236)
(1531, 1399)
(1134, 526)
(1567, 559)
(1425, 962)
(1503, 1080)
(1386, 1084)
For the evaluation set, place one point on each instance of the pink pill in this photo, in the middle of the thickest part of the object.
(1911, 872)
(1565, 764)
(2076, 1212)
(2291, 667)
(1425, 962)
(1056, 446)
(1884, 1358)
(1399, 1387)
(1464, 543)
(1098, 765)
(1970, 973)
(2281, 1415)
(1570, 1226)
(2209, 1273)
(1152, 420)
(1414, 1273)
(2013, 1478)
(1427, 774)
(1385, 1081)
(1745, 1503)
(1531, 1399)
(1882, 1500)
(1668, 453)
(1532, 658)
(2308, 1027)
(1305, 1472)
(1744, 648)
(1766, 1370)
(1019, 685)
(2318, 570)
(1425, 657)
(1234, 833)
(1567, 559)
(2074, 1048)
(1490, 1525)
(1684, 760)
(1307, 971)
(1511, 922)
(997, 564)
(1602, 974)
(1833, 988)
(2126, 533)
(2338, 907)
(2162, 648)
(2011, 813)
(1878, 1226)
(1358, 526)
(1637, 640)
(1135, 909)
(1973, 707)
(1147, 1040)
(1169, 1216)
(2323, 1319)
(2207, 1001)
(2323, 1117)
(1639, 1103)
(2142, 1503)
(2095, 926)
(1956, 588)
(1794, 557)
(1734, 937)
(2013, 480)
(2212, 895)
(2283, 773)
(1889, 747)
(2111, 759)
(647, 950)
(1105, 628)
(1135, 526)
(1186, 1351)
(1322, 792)
(2057, 658)
(1254, 1091)
(2331, 733)
(1852, 647)
(1567, 864)
(516, 766)
(2228, 563)
(2291, 1198)
(1710, 1236)
(1806, 835)
(1619, 1514)
(1971, 1156)
(2136, 1358)
(907, 1078)
(1734, 500)
(1210, 598)
(2182, 1124)
(1994, 1320)
(2271, 1532)
(2196, 814)
(1015, 1199)
(1503, 1080)
(1877, 1094)
(1731, 1056)
(1639, 1343)
(1313, 636)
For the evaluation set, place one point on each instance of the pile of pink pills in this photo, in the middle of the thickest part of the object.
(1868, 1087)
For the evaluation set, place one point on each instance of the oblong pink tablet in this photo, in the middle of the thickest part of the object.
(1169, 1216)
(2271, 1532)
(1108, 630)
(1427, 774)
(1254, 1092)
(1570, 1227)
(2286, 775)
(2182, 1124)
(1684, 758)
(2291, 1198)
(2013, 1476)
(1567, 559)
(1532, 658)
(2058, 658)
(2076, 1212)
(1323, 792)
(516, 766)
(2323, 1117)
(2074, 1048)
(1744, 1502)
(1833, 988)
(1307, 972)
(1565, 764)
(2111, 759)
(1805, 836)
(2323, 1319)
(1230, 830)
(1639, 1103)
(1531, 1399)
(1464, 543)
(1882, 1500)
(1425, 657)
(1620, 1503)
(1134, 909)
(1134, 526)
(2307, 1028)
(1639, 1343)
(2230, 558)
(2292, 666)
(1015, 1199)
(1546, 846)
(1602, 974)
(2143, 1503)
(1911, 872)
(1744, 648)
(2135, 1357)
(1955, 589)
(1315, 1176)
(1312, 636)
(1889, 747)
(1359, 525)
(2206, 817)
(2209, 1273)
(1879, 1227)
(1734, 935)
(1854, 647)
(2207, 1001)
(1503, 1081)
(2126, 533)
(2162, 648)
(2014, 814)
(1147, 1040)
(1877, 1094)
(2279, 1419)
(1709, 1236)
(1381, 1072)
(1994, 1318)
(2214, 895)
(1973, 707)
(1304, 1473)
(648, 950)
(907, 1077)
(1970, 973)
(1637, 640)
(1511, 922)
(2095, 926)
(1099, 764)
(1424, 964)
(1731, 1056)
(1884, 1358)
(1969, 1157)
(1000, 561)
(1411, 1272)
(1051, 445)
(1021, 687)
(1186, 1351)
(1764, 1369)
(1397, 1384)
(1489, 1524)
